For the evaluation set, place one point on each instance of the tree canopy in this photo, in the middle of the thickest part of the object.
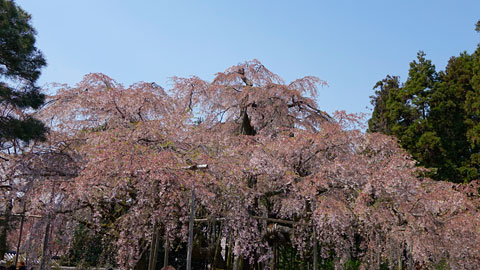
(20, 64)
(280, 172)
(435, 115)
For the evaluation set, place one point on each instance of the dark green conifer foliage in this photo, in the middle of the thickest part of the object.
(435, 115)
(20, 64)
(472, 107)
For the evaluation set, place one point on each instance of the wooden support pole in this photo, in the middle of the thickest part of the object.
(240, 262)
(43, 261)
(275, 255)
(46, 238)
(192, 215)
(20, 234)
(190, 231)
(152, 243)
(152, 260)
(229, 254)
(166, 251)
(235, 262)
(217, 248)
(4, 228)
(315, 252)
(399, 259)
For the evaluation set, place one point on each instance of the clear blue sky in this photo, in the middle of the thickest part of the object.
(350, 44)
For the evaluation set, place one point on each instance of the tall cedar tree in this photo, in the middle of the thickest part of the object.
(20, 64)
(435, 115)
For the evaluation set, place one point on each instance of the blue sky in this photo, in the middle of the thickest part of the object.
(349, 44)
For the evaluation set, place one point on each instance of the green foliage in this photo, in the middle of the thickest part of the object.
(352, 265)
(20, 64)
(435, 115)
(442, 265)
(291, 259)
(86, 250)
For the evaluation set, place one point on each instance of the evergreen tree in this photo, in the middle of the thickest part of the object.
(387, 106)
(472, 107)
(435, 115)
(20, 64)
